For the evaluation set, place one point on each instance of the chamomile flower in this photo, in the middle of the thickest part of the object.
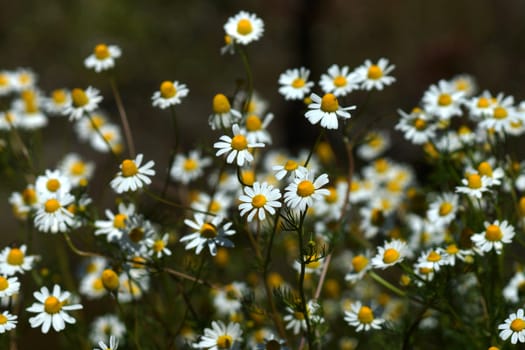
(289, 166)
(58, 100)
(91, 286)
(257, 104)
(259, 199)
(210, 233)
(77, 170)
(244, 28)
(113, 227)
(28, 109)
(417, 126)
(9, 286)
(481, 105)
(23, 79)
(294, 83)
(443, 101)
(82, 102)
(14, 260)
(23, 202)
(237, 147)
(375, 76)
(107, 138)
(443, 210)
(255, 128)
(362, 318)
(7, 321)
(188, 168)
(113, 344)
(158, 246)
(325, 110)
(103, 57)
(228, 300)
(220, 336)
(53, 183)
(474, 185)
(272, 343)
(132, 176)
(330, 207)
(453, 253)
(305, 190)
(169, 94)
(218, 205)
(6, 82)
(503, 115)
(360, 264)
(296, 319)
(106, 326)
(512, 290)
(52, 214)
(87, 128)
(389, 254)
(464, 83)
(495, 235)
(494, 175)
(432, 259)
(9, 119)
(223, 114)
(51, 309)
(513, 327)
(375, 143)
(339, 81)
(135, 235)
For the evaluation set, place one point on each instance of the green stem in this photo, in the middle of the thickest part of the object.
(386, 284)
(173, 151)
(249, 78)
(304, 309)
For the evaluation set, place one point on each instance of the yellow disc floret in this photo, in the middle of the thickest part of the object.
(52, 185)
(493, 233)
(374, 72)
(244, 26)
(239, 142)
(500, 113)
(298, 83)
(220, 104)
(79, 97)
(129, 168)
(340, 81)
(190, 164)
(59, 96)
(445, 208)
(101, 51)
(483, 102)
(474, 181)
(484, 168)
(253, 123)
(167, 89)
(208, 230)
(365, 315)
(444, 100)
(517, 325)
(110, 279)
(258, 201)
(52, 305)
(433, 256)
(15, 257)
(390, 256)
(51, 205)
(329, 103)
(224, 341)
(359, 262)
(291, 165)
(4, 284)
(119, 221)
(305, 188)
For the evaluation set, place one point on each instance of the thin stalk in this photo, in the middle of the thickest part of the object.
(249, 78)
(123, 117)
(173, 151)
(176, 205)
(386, 284)
(304, 309)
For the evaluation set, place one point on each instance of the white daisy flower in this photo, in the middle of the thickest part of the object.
(296, 319)
(113, 344)
(417, 126)
(103, 57)
(58, 100)
(229, 46)
(76, 169)
(109, 135)
(443, 210)
(113, 227)
(432, 259)
(494, 175)
(223, 114)
(135, 235)
(52, 184)
(188, 168)
(14, 260)
(10, 119)
(294, 83)
(82, 102)
(453, 252)
(255, 129)
(272, 342)
(290, 166)
(474, 185)
(443, 101)
(495, 235)
(237, 147)
(28, 110)
(86, 128)
(304, 190)
(6, 82)
(132, 289)
(23, 202)
(503, 114)
(169, 94)
(52, 214)
(91, 286)
(7, 321)
(220, 337)
(208, 233)
(511, 292)
(9, 286)
(244, 28)
(339, 81)
(359, 266)
(375, 143)
(259, 199)
(391, 253)
(325, 110)
(158, 246)
(257, 104)
(132, 175)
(513, 328)
(23, 79)
(106, 326)
(464, 83)
(218, 205)
(375, 76)
(330, 207)
(51, 309)
(362, 317)
(481, 106)
(227, 300)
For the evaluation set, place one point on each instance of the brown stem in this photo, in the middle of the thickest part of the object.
(123, 117)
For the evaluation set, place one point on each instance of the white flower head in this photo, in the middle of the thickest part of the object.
(362, 318)
(244, 28)
(132, 176)
(223, 114)
(294, 83)
(443, 101)
(210, 233)
(305, 190)
(339, 81)
(7, 322)
(325, 111)
(51, 309)
(169, 94)
(495, 235)
(513, 328)
(391, 253)
(188, 168)
(220, 337)
(82, 102)
(237, 147)
(103, 57)
(259, 199)
(113, 344)
(417, 126)
(9, 286)
(58, 100)
(375, 76)
(14, 260)
(52, 183)
(474, 185)
(53, 215)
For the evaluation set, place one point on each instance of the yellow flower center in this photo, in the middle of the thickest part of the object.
(96, 122)
(332, 196)
(445, 208)
(258, 201)
(462, 85)
(305, 188)
(208, 230)
(167, 89)
(224, 341)
(329, 103)
(390, 255)
(110, 279)
(444, 100)
(221, 104)
(474, 181)
(493, 233)
(4, 80)
(158, 245)
(291, 165)
(374, 72)
(365, 315)
(253, 123)
(129, 168)
(248, 177)
(376, 217)
(190, 164)
(52, 185)
(136, 234)
(484, 168)
(15, 257)
(452, 249)
(215, 206)
(340, 81)
(52, 305)
(483, 102)
(381, 165)
(101, 51)
(24, 78)
(298, 83)
(29, 196)
(77, 168)
(500, 113)
(4, 284)
(298, 315)
(239, 142)
(97, 284)
(51, 205)
(517, 325)
(433, 256)
(244, 26)
(59, 96)
(359, 263)
(3, 319)
(119, 221)
(375, 141)
(79, 97)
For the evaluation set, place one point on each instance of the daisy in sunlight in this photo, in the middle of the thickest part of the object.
(244, 28)
(132, 176)
(103, 57)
